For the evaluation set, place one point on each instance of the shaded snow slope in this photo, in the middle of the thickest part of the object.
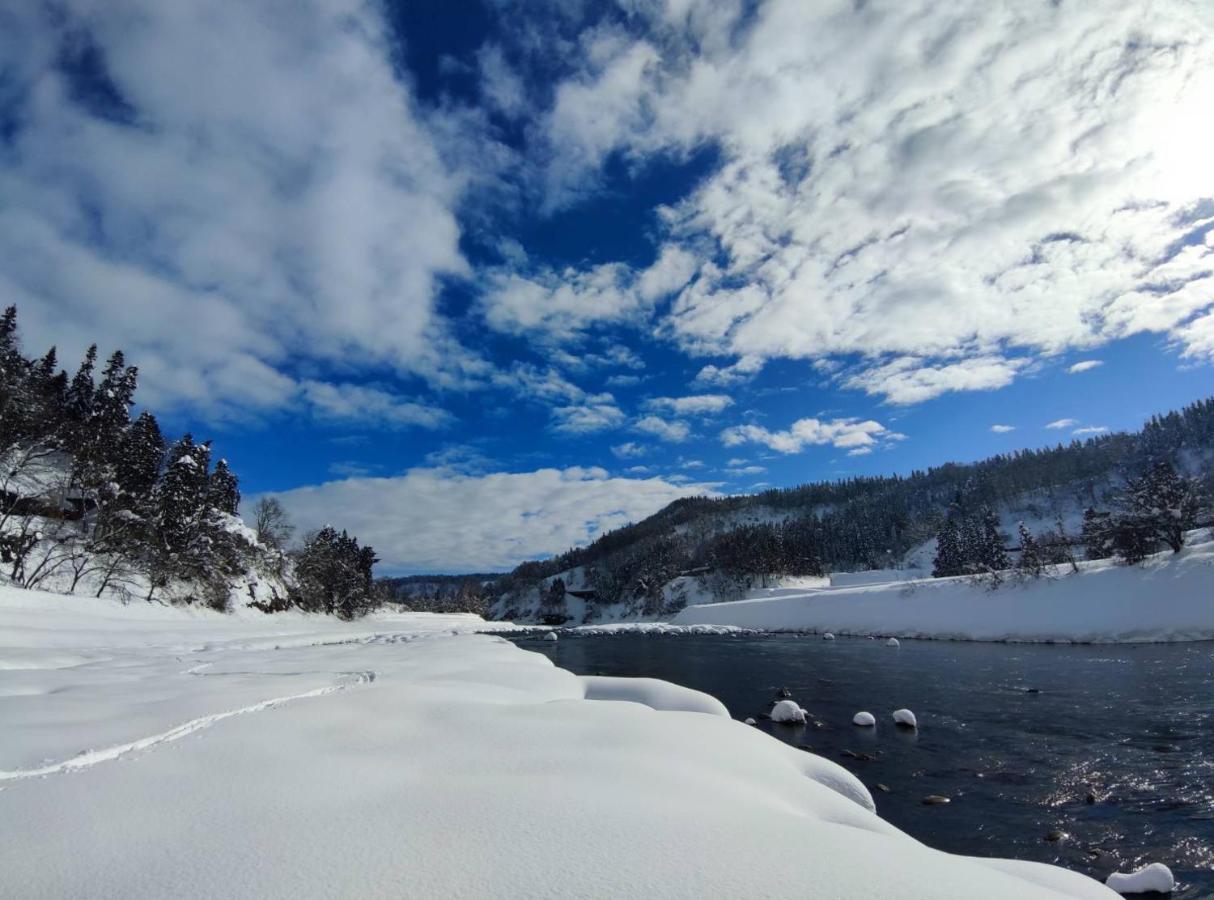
(1167, 598)
(302, 757)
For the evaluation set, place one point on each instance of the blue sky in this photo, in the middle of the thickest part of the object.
(479, 281)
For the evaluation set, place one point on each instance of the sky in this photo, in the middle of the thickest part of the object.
(479, 281)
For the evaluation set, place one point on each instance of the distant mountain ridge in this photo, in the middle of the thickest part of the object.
(704, 548)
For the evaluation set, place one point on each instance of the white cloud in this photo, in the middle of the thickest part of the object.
(628, 450)
(841, 433)
(1090, 430)
(1002, 429)
(1062, 423)
(1198, 337)
(365, 405)
(574, 411)
(746, 470)
(672, 431)
(563, 305)
(478, 523)
(743, 370)
(1084, 366)
(696, 405)
(596, 413)
(909, 379)
(951, 185)
(293, 204)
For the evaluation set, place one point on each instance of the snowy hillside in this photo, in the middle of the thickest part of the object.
(156, 752)
(1167, 597)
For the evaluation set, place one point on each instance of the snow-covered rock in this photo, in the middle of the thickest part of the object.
(1154, 877)
(828, 636)
(789, 712)
(864, 719)
(751, 721)
(551, 636)
(905, 717)
(893, 642)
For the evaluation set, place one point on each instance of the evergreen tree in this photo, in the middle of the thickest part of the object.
(991, 556)
(333, 574)
(1097, 534)
(948, 559)
(140, 457)
(1163, 505)
(79, 400)
(1031, 562)
(224, 491)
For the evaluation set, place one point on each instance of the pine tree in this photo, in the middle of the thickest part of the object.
(1097, 534)
(992, 556)
(79, 401)
(948, 559)
(224, 490)
(1164, 505)
(1031, 562)
(140, 457)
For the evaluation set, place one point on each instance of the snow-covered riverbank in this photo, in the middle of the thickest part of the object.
(154, 752)
(1167, 598)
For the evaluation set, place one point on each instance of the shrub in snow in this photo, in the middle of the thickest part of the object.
(893, 642)
(788, 711)
(864, 718)
(828, 636)
(905, 717)
(550, 636)
(1155, 877)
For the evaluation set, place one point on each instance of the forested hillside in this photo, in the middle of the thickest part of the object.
(718, 547)
(93, 501)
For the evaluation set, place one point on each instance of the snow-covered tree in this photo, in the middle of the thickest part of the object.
(1031, 563)
(224, 490)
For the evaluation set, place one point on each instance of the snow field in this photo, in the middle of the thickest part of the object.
(401, 756)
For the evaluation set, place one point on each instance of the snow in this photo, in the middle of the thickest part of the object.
(653, 693)
(153, 752)
(1164, 599)
(551, 636)
(828, 636)
(905, 717)
(1154, 877)
(864, 719)
(788, 711)
(663, 628)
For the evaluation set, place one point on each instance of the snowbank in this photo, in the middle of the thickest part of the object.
(301, 757)
(653, 693)
(1165, 599)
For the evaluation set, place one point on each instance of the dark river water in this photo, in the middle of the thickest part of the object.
(1097, 758)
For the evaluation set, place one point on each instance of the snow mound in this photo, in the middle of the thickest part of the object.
(551, 636)
(864, 718)
(905, 717)
(1155, 877)
(652, 693)
(893, 642)
(788, 711)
